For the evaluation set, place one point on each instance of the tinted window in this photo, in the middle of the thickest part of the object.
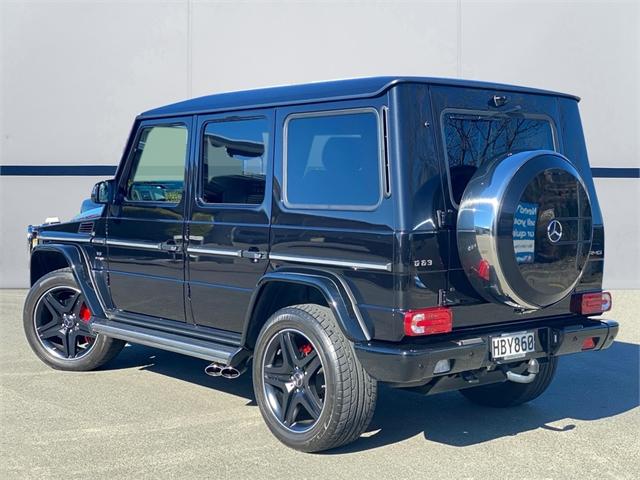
(157, 173)
(235, 161)
(333, 161)
(472, 139)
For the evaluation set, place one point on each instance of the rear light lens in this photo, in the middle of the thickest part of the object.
(427, 321)
(591, 303)
(589, 343)
(484, 270)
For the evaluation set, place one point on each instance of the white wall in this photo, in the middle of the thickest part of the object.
(75, 73)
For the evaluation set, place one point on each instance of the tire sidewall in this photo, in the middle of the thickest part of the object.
(293, 318)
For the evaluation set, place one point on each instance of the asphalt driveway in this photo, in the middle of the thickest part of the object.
(155, 414)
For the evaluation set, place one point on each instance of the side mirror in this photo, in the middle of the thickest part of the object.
(102, 192)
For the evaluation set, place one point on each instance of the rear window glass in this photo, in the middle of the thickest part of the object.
(234, 162)
(472, 139)
(333, 160)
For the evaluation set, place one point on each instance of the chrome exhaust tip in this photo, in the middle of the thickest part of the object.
(214, 369)
(231, 372)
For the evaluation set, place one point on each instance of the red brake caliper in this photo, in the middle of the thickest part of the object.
(85, 316)
(306, 349)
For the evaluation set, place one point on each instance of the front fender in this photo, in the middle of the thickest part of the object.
(336, 293)
(80, 270)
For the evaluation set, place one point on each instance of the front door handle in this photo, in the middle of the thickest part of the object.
(169, 246)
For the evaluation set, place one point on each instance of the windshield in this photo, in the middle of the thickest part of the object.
(472, 139)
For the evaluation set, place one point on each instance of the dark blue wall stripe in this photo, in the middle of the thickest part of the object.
(58, 170)
(109, 170)
(604, 172)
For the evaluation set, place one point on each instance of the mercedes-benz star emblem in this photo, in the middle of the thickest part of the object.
(554, 231)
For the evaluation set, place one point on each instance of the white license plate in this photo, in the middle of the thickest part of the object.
(513, 345)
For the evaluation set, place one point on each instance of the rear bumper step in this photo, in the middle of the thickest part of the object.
(194, 347)
(414, 364)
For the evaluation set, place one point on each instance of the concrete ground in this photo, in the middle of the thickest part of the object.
(154, 414)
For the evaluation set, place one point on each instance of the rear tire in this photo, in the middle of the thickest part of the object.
(325, 367)
(510, 394)
(55, 331)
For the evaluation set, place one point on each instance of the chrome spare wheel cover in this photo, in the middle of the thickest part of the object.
(524, 229)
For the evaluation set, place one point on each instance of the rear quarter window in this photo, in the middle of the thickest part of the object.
(473, 138)
(333, 160)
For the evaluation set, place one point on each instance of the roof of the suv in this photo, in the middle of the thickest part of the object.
(318, 92)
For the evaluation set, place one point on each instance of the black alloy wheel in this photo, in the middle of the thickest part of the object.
(294, 381)
(311, 389)
(61, 323)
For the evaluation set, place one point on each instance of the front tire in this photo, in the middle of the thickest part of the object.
(510, 394)
(55, 321)
(311, 389)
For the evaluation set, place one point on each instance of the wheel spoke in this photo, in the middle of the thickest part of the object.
(72, 304)
(276, 378)
(290, 404)
(53, 331)
(310, 363)
(287, 346)
(85, 330)
(53, 305)
(311, 404)
(69, 344)
(49, 329)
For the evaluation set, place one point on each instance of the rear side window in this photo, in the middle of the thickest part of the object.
(332, 160)
(472, 139)
(157, 173)
(234, 162)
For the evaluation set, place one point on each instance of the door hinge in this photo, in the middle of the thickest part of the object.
(446, 218)
(445, 301)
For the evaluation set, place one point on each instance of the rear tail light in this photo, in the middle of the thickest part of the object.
(428, 321)
(591, 303)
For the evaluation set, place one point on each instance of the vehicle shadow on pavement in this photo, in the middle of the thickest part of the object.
(589, 386)
(181, 367)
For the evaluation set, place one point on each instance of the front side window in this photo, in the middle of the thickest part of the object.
(234, 161)
(333, 160)
(472, 139)
(157, 172)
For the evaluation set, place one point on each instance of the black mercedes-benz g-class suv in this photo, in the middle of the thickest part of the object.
(430, 234)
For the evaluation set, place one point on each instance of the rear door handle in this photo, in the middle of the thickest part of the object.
(253, 255)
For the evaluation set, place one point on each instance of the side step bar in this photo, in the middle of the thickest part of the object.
(194, 347)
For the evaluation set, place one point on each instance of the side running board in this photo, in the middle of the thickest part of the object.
(194, 347)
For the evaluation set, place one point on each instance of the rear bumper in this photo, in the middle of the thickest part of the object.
(413, 364)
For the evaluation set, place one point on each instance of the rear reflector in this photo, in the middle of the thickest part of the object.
(591, 303)
(442, 366)
(589, 343)
(484, 270)
(427, 321)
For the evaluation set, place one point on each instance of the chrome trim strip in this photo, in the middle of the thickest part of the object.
(70, 237)
(129, 244)
(328, 261)
(214, 251)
